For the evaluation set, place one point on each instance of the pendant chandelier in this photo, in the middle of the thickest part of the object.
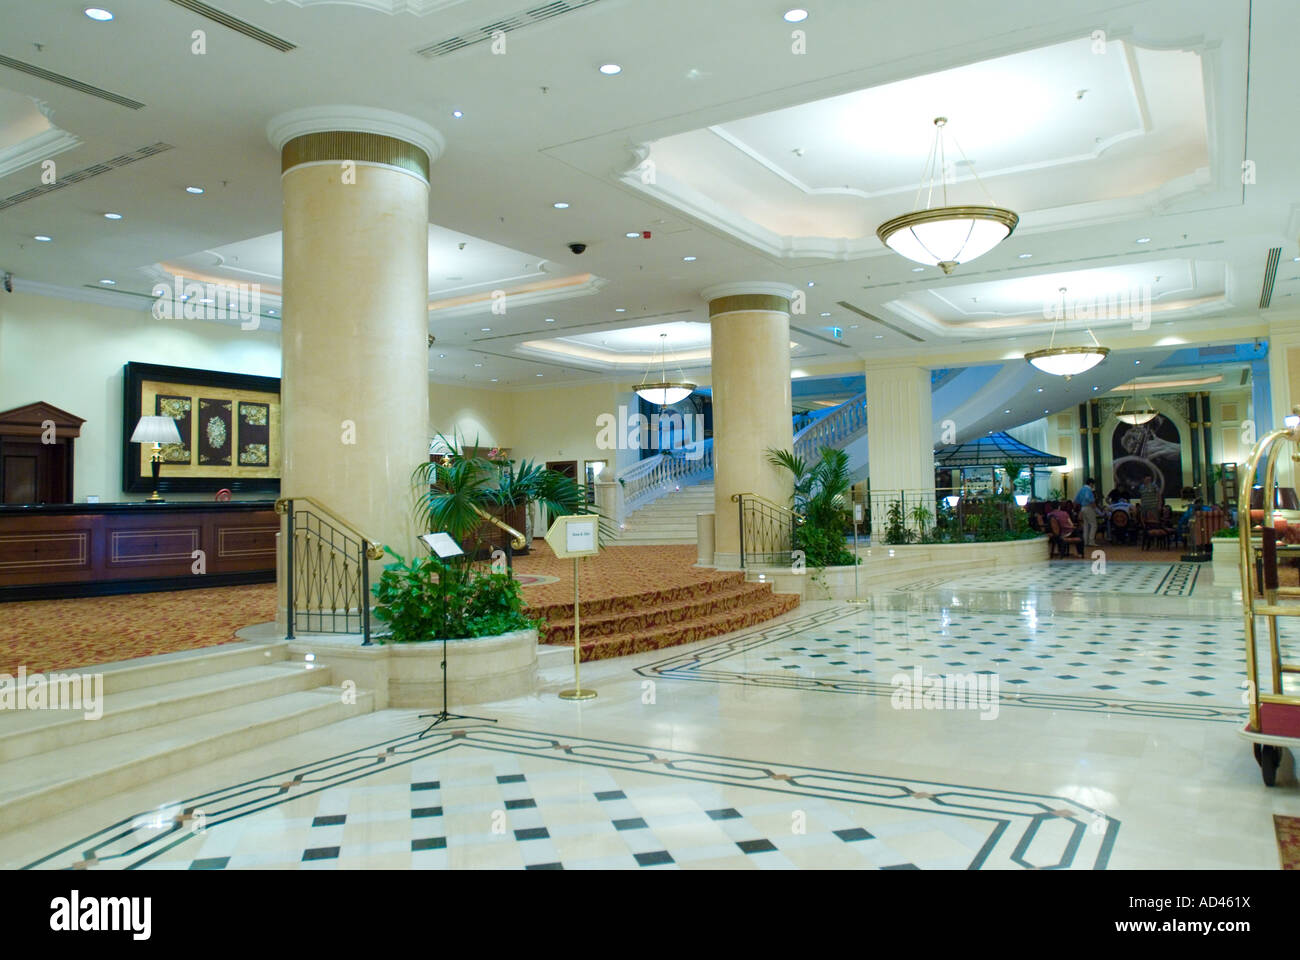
(945, 236)
(1067, 361)
(1137, 416)
(663, 392)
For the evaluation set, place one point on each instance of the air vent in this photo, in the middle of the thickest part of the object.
(85, 173)
(1270, 277)
(234, 23)
(509, 24)
(34, 71)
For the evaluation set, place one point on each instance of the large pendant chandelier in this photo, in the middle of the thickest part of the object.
(1067, 361)
(663, 392)
(945, 236)
(1137, 416)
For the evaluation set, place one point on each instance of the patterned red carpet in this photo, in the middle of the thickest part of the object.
(633, 599)
(48, 635)
(1288, 841)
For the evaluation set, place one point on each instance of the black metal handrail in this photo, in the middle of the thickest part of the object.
(327, 586)
(766, 530)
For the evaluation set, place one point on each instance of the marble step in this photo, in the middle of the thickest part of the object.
(26, 732)
(170, 667)
(38, 787)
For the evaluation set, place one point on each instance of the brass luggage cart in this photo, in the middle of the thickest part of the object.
(1274, 721)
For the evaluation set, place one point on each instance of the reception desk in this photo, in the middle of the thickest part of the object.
(89, 549)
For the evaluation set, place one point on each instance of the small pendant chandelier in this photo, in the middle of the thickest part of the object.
(946, 236)
(664, 392)
(1067, 361)
(1137, 416)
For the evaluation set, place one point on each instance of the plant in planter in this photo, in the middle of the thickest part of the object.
(530, 483)
(921, 517)
(821, 495)
(896, 529)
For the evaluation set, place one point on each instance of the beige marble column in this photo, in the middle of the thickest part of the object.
(355, 319)
(900, 434)
(751, 401)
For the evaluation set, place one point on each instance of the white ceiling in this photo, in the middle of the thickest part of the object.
(541, 125)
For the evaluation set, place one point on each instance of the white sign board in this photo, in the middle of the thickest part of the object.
(443, 545)
(576, 535)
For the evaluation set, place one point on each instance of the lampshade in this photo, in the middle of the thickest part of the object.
(946, 236)
(1067, 361)
(156, 430)
(664, 393)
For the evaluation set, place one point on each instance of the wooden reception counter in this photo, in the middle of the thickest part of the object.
(88, 549)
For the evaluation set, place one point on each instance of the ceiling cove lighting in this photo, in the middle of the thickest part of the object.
(665, 392)
(98, 13)
(1067, 361)
(945, 236)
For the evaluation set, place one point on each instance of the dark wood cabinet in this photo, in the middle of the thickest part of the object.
(36, 446)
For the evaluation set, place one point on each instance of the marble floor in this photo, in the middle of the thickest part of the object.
(1114, 745)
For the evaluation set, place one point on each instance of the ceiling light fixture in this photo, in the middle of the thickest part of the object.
(665, 392)
(610, 69)
(109, 283)
(560, 205)
(457, 114)
(98, 13)
(945, 236)
(688, 259)
(797, 15)
(112, 216)
(1026, 256)
(1137, 416)
(550, 319)
(1142, 240)
(42, 238)
(1067, 361)
(194, 190)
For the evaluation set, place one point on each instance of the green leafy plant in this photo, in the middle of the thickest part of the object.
(896, 529)
(921, 517)
(821, 495)
(1226, 533)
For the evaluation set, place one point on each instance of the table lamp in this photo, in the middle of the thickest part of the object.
(156, 430)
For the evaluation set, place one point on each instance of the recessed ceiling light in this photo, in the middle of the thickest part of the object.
(486, 329)
(879, 336)
(457, 114)
(620, 309)
(1295, 259)
(541, 374)
(610, 69)
(194, 190)
(1006, 411)
(1094, 388)
(494, 379)
(271, 312)
(42, 238)
(1143, 240)
(1137, 361)
(98, 13)
(109, 283)
(550, 319)
(795, 16)
(112, 216)
(1044, 411)
(1040, 389)
(688, 259)
(1026, 256)
(917, 269)
(811, 284)
(478, 364)
(442, 356)
(560, 205)
(632, 236)
(853, 326)
(825, 314)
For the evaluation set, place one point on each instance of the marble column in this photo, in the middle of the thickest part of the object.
(355, 383)
(900, 436)
(751, 401)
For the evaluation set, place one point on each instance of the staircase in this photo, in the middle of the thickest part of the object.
(669, 519)
(622, 625)
(161, 715)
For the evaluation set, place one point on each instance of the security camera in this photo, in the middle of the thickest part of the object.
(577, 248)
(9, 283)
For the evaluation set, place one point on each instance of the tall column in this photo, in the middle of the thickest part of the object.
(900, 437)
(355, 319)
(751, 401)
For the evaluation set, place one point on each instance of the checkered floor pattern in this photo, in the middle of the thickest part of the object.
(499, 798)
(1151, 667)
(1155, 579)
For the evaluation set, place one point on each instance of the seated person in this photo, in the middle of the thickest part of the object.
(1065, 526)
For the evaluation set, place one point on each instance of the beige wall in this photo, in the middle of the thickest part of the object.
(71, 354)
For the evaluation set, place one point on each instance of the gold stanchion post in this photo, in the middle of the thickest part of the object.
(577, 693)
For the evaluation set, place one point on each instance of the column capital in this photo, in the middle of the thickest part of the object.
(748, 295)
(363, 134)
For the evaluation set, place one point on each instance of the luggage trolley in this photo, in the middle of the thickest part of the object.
(1274, 720)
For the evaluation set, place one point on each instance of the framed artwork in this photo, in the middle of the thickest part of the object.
(229, 425)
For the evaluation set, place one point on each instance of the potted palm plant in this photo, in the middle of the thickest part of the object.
(821, 492)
